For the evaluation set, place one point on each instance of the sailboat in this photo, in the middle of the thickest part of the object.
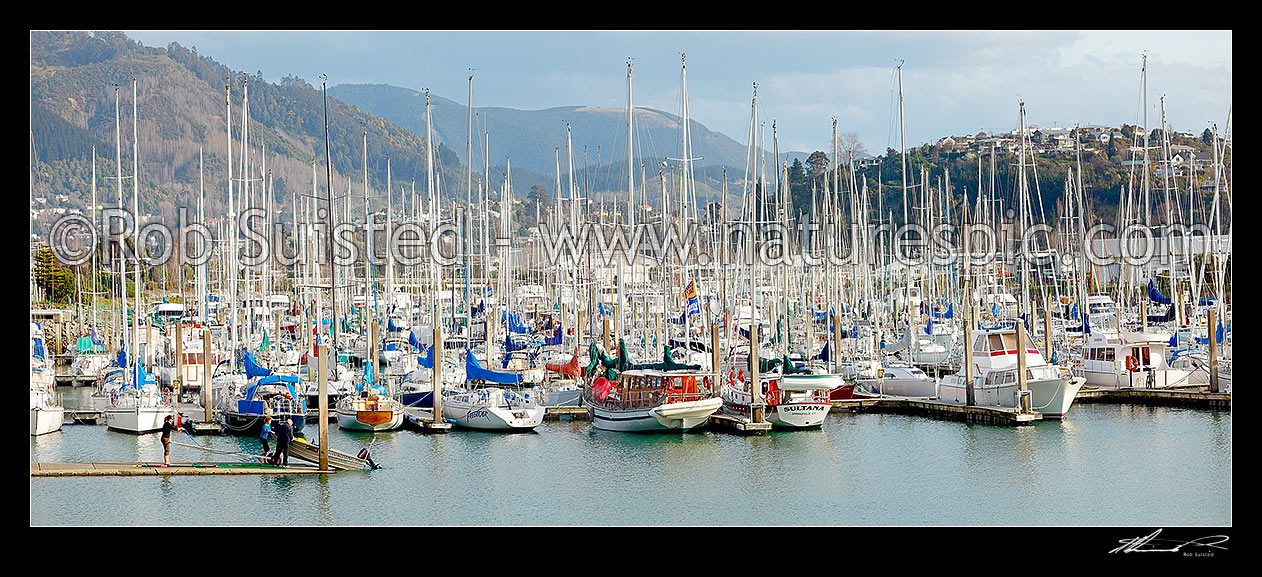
(46, 413)
(138, 406)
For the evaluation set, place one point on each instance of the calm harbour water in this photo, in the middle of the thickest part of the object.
(1105, 465)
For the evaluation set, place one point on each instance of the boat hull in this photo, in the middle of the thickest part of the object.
(492, 418)
(1051, 397)
(252, 424)
(681, 416)
(137, 420)
(46, 420)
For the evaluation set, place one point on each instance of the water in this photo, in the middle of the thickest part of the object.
(1105, 465)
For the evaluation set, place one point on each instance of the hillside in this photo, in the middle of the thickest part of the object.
(181, 108)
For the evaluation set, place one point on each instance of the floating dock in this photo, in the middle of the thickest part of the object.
(739, 424)
(1198, 399)
(940, 409)
(156, 469)
(84, 416)
(566, 414)
(423, 420)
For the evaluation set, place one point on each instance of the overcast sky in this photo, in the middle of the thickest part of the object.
(954, 82)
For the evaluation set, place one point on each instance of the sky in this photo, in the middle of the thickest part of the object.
(954, 82)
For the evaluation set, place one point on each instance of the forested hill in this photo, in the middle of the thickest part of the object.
(182, 105)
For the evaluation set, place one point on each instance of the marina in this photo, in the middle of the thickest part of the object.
(954, 334)
(859, 468)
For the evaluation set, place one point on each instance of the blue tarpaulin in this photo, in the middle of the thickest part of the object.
(475, 372)
(252, 368)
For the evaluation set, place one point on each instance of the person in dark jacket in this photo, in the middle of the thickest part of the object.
(284, 434)
(168, 425)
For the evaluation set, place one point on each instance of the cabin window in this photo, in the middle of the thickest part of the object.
(979, 345)
(1108, 355)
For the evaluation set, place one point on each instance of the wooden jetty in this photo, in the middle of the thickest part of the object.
(156, 469)
(1198, 399)
(423, 420)
(940, 409)
(84, 416)
(566, 414)
(737, 424)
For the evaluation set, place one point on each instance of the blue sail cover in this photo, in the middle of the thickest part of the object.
(950, 312)
(1085, 328)
(142, 378)
(252, 368)
(96, 339)
(288, 380)
(1155, 295)
(510, 346)
(1219, 333)
(474, 371)
(825, 354)
(553, 339)
(427, 361)
(121, 361)
(514, 322)
(390, 326)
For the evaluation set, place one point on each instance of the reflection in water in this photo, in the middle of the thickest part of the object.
(1094, 468)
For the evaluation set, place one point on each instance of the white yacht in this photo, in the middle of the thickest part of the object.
(1052, 389)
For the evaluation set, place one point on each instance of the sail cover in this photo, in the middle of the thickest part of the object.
(474, 371)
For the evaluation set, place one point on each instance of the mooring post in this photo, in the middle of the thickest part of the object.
(437, 378)
(1024, 405)
(755, 386)
(322, 372)
(208, 359)
(1213, 350)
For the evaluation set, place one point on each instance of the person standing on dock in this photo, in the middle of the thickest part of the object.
(284, 434)
(168, 425)
(267, 430)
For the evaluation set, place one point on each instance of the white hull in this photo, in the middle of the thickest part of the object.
(491, 417)
(137, 420)
(1161, 379)
(797, 415)
(672, 416)
(793, 414)
(46, 419)
(897, 387)
(1051, 397)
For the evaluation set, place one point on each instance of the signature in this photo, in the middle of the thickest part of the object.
(1148, 544)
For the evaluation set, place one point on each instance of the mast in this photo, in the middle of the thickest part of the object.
(135, 207)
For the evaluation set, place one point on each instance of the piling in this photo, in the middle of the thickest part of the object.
(969, 314)
(1213, 350)
(604, 338)
(1047, 330)
(208, 359)
(755, 385)
(179, 358)
(322, 370)
(1022, 390)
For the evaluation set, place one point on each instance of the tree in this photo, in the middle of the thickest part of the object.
(850, 145)
(1207, 137)
(816, 167)
(55, 280)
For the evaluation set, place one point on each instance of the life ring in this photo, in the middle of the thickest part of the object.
(1132, 364)
(880, 373)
